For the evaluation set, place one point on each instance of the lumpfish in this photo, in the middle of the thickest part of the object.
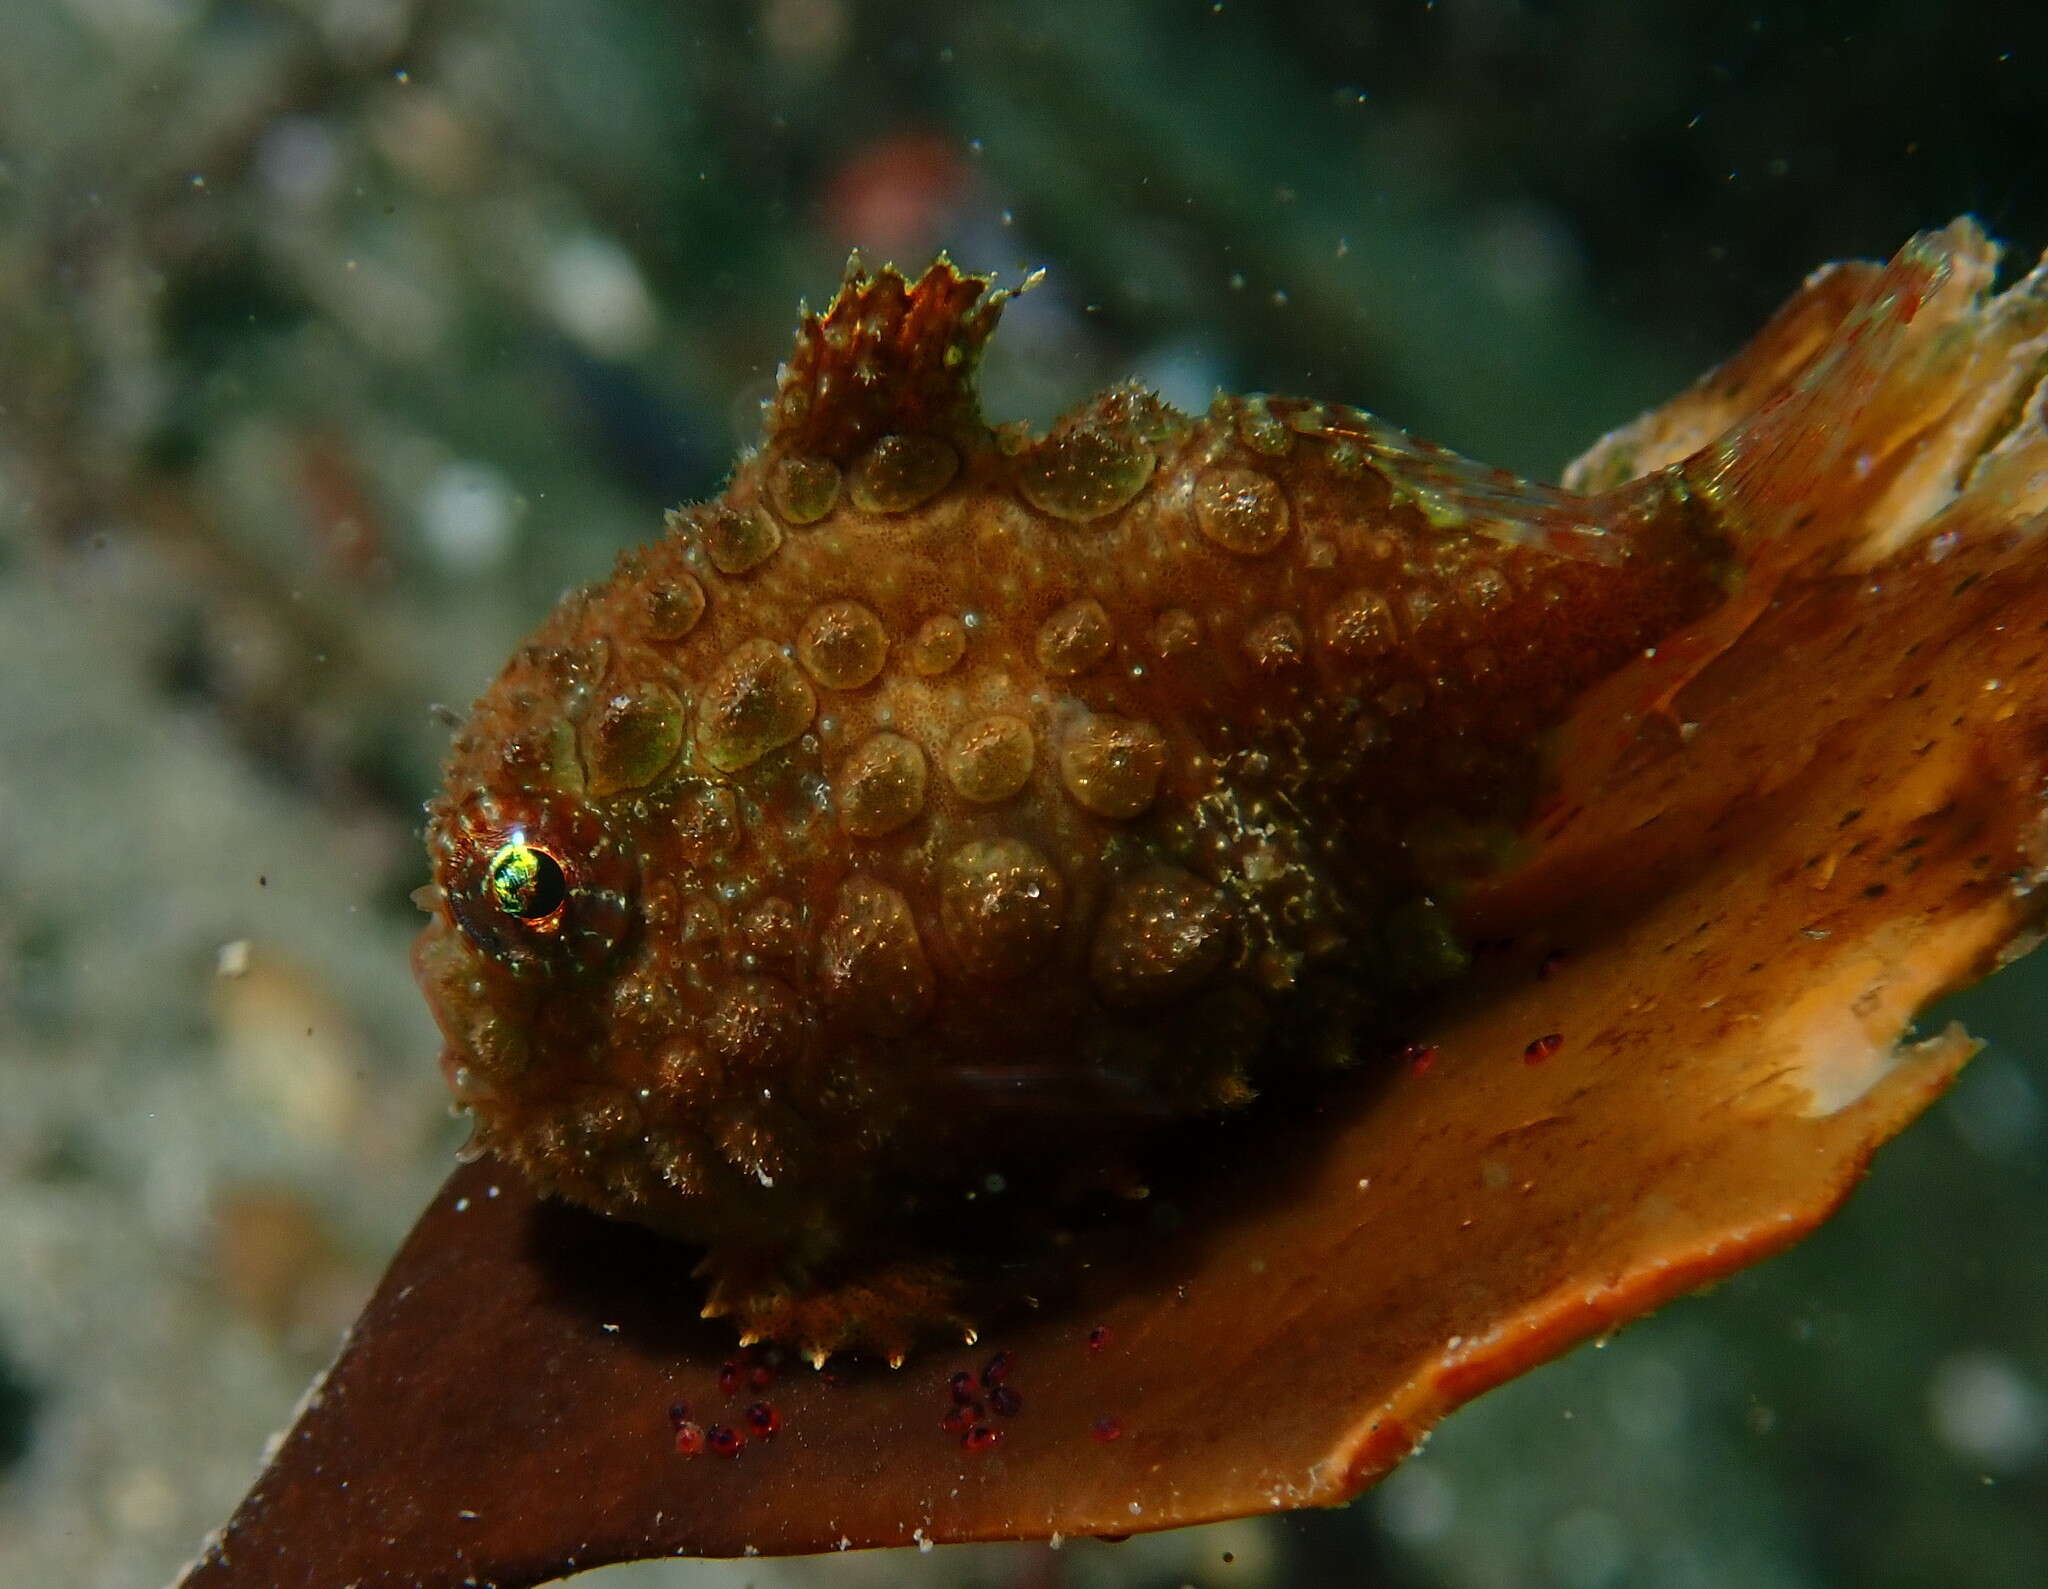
(932, 824)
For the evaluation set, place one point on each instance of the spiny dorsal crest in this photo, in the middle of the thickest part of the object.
(888, 357)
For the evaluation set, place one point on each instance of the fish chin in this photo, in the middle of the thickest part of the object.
(481, 1049)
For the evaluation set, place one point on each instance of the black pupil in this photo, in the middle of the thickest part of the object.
(528, 883)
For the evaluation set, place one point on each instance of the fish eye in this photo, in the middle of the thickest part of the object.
(533, 882)
(524, 880)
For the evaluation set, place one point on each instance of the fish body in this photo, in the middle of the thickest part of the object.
(945, 810)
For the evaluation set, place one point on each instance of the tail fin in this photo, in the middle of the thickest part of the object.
(1876, 403)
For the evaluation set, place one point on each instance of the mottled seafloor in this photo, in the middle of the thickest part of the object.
(337, 336)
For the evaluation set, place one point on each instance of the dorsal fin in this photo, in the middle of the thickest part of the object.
(889, 356)
(1802, 331)
(1454, 492)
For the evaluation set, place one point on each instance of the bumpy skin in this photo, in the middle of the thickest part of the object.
(939, 796)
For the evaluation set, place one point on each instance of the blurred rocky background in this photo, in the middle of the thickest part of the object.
(338, 336)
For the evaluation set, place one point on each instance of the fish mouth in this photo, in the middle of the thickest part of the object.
(461, 1077)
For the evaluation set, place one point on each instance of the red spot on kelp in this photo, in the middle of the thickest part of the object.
(963, 1417)
(996, 1369)
(1420, 1058)
(980, 1438)
(689, 1438)
(1098, 1338)
(1542, 1048)
(764, 1420)
(1107, 1429)
(729, 1378)
(1005, 1400)
(760, 1376)
(724, 1442)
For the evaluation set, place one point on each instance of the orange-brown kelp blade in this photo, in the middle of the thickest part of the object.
(1835, 846)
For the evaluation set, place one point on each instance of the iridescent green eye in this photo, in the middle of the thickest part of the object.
(532, 881)
(526, 882)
